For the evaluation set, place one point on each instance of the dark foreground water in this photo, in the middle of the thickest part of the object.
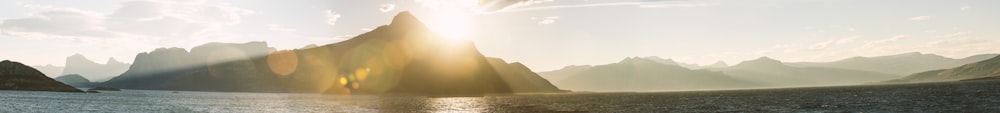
(971, 96)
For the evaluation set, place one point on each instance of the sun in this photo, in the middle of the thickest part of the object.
(453, 20)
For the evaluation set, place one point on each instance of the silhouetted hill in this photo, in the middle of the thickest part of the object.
(78, 64)
(774, 73)
(403, 57)
(901, 64)
(636, 74)
(17, 76)
(74, 80)
(989, 68)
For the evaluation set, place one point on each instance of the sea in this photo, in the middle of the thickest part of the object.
(967, 96)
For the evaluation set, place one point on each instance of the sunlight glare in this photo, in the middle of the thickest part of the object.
(453, 19)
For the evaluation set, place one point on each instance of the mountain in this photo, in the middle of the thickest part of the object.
(521, 79)
(637, 74)
(986, 69)
(49, 70)
(402, 58)
(901, 64)
(719, 64)
(672, 62)
(559, 75)
(774, 73)
(78, 64)
(17, 76)
(74, 80)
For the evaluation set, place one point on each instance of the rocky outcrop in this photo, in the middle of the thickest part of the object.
(17, 76)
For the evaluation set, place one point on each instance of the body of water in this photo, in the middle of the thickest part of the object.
(972, 96)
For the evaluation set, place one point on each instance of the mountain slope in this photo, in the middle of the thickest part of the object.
(989, 68)
(520, 78)
(637, 74)
(404, 58)
(74, 80)
(49, 70)
(774, 73)
(78, 64)
(901, 64)
(17, 76)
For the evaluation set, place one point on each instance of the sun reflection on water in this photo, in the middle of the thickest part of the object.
(458, 105)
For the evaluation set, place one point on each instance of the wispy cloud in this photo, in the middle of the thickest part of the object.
(546, 20)
(644, 4)
(920, 18)
(331, 17)
(965, 8)
(387, 7)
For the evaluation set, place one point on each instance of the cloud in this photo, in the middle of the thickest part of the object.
(965, 8)
(831, 43)
(920, 18)
(643, 4)
(546, 20)
(497, 5)
(387, 7)
(331, 17)
(143, 22)
(58, 22)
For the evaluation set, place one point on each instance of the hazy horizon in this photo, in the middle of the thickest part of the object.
(543, 34)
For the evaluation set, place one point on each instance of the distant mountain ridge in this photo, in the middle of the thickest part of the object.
(649, 73)
(986, 69)
(638, 74)
(78, 64)
(900, 64)
(775, 73)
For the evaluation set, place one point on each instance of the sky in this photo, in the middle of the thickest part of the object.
(542, 34)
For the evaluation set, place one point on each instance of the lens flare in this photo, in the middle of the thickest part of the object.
(283, 63)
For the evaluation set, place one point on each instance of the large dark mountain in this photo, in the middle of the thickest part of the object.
(17, 76)
(986, 69)
(637, 74)
(901, 64)
(776, 74)
(78, 64)
(404, 57)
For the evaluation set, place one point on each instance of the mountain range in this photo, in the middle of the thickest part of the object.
(901, 64)
(640, 74)
(763, 72)
(402, 58)
(78, 64)
(986, 69)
